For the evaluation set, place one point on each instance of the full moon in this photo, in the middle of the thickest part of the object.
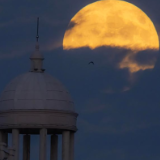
(111, 23)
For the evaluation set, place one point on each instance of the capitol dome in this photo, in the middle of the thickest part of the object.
(35, 100)
(35, 103)
(35, 90)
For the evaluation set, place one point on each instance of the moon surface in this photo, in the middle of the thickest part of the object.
(111, 23)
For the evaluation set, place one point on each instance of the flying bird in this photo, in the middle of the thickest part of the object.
(91, 62)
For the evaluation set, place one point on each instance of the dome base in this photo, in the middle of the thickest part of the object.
(53, 120)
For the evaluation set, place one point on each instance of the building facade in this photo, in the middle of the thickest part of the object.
(37, 103)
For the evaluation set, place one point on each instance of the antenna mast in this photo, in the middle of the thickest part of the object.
(37, 37)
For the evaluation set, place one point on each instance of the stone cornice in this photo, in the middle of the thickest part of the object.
(38, 110)
(50, 119)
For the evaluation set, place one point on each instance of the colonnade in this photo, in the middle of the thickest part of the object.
(67, 144)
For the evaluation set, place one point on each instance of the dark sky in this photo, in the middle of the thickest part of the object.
(118, 111)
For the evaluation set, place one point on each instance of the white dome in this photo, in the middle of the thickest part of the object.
(35, 90)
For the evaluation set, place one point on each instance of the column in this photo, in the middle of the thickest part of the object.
(4, 136)
(3, 143)
(1, 136)
(26, 147)
(54, 147)
(65, 145)
(43, 143)
(71, 146)
(15, 143)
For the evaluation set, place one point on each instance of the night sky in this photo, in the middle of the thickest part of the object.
(119, 111)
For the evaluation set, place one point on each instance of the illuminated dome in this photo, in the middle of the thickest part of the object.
(36, 100)
(35, 90)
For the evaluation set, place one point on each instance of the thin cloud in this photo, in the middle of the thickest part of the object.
(12, 54)
(94, 109)
(53, 22)
(17, 21)
(113, 91)
(111, 128)
(18, 51)
(52, 45)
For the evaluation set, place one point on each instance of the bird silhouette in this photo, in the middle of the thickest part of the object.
(91, 62)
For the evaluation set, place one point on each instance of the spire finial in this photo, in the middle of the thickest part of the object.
(37, 37)
(36, 57)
